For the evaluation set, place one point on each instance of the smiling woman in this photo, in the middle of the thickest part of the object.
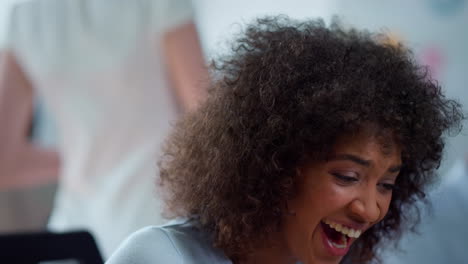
(340, 198)
(313, 146)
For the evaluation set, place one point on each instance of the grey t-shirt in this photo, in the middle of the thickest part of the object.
(178, 242)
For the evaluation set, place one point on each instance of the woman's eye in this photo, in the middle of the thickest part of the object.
(388, 186)
(345, 178)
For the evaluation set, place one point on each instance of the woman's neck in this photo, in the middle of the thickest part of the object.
(275, 252)
(270, 256)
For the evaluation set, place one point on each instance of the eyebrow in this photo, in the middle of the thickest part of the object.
(361, 161)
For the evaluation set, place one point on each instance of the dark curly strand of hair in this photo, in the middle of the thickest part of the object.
(285, 94)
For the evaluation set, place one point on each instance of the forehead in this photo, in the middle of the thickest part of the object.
(368, 142)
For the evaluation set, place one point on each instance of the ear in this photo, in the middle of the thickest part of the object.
(296, 182)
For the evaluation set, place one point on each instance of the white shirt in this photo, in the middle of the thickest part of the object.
(98, 66)
(178, 242)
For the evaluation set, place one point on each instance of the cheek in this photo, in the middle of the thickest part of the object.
(333, 197)
(311, 206)
(314, 204)
(384, 204)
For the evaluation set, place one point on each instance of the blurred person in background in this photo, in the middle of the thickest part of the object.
(113, 75)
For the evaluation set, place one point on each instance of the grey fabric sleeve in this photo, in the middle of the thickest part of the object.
(149, 245)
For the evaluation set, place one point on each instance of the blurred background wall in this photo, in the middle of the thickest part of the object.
(437, 30)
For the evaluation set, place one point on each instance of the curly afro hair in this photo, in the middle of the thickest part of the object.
(284, 94)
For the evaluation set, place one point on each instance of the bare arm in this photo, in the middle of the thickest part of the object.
(186, 64)
(22, 164)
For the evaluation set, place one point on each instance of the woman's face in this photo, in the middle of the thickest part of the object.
(340, 198)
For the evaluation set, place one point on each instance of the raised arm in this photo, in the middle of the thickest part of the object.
(187, 67)
(22, 164)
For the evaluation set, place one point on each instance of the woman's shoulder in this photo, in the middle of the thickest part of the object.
(176, 242)
(148, 245)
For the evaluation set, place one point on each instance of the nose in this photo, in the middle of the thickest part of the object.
(365, 208)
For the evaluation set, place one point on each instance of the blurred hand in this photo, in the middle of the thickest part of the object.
(22, 164)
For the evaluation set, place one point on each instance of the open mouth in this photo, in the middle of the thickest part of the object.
(338, 238)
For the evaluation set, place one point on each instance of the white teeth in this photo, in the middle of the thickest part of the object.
(338, 228)
(343, 229)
